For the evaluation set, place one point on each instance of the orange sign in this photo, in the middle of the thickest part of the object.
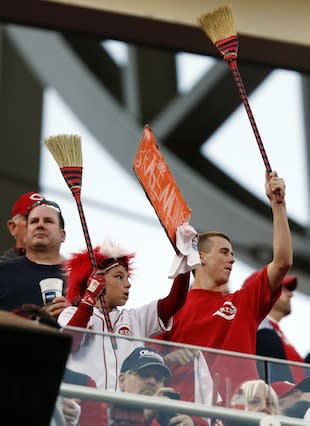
(160, 186)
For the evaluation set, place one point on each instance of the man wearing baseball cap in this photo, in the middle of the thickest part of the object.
(144, 372)
(294, 399)
(17, 224)
(272, 342)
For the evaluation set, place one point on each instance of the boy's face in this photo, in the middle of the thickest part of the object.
(117, 286)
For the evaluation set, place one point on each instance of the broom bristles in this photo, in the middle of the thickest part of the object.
(66, 150)
(218, 24)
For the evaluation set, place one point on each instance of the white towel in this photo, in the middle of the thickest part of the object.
(188, 259)
(203, 381)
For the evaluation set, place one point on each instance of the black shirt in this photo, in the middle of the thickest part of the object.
(20, 282)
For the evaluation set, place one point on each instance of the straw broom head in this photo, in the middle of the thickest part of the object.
(218, 24)
(66, 150)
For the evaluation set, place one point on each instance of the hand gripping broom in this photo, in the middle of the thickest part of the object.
(219, 27)
(66, 150)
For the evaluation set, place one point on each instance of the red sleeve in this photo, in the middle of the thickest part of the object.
(170, 305)
(199, 421)
(79, 319)
(81, 316)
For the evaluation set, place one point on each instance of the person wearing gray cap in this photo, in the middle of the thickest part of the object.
(144, 372)
(294, 398)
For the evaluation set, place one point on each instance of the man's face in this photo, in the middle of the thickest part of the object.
(43, 230)
(17, 228)
(218, 261)
(283, 304)
(145, 381)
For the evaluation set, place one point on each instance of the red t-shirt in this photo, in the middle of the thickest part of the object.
(228, 322)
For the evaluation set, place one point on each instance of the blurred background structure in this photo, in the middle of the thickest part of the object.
(103, 69)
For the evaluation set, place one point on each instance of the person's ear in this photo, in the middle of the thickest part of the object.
(63, 235)
(202, 258)
(121, 382)
(12, 227)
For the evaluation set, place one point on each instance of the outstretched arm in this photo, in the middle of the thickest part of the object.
(282, 241)
(169, 305)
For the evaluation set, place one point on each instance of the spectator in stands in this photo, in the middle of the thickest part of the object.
(287, 392)
(144, 372)
(256, 395)
(294, 399)
(97, 295)
(17, 224)
(272, 342)
(212, 319)
(68, 411)
(22, 280)
(92, 413)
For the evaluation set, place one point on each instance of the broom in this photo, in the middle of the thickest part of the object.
(66, 150)
(220, 28)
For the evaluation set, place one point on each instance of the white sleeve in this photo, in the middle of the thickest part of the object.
(145, 320)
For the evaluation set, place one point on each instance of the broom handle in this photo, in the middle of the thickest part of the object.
(94, 264)
(85, 232)
(240, 86)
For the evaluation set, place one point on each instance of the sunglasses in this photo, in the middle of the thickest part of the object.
(45, 203)
(145, 374)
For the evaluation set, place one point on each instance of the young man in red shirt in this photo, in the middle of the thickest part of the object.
(229, 322)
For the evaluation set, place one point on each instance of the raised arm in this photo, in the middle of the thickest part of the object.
(282, 240)
(169, 305)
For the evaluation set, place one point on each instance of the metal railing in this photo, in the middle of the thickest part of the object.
(212, 410)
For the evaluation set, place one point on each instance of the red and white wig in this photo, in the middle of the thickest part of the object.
(78, 267)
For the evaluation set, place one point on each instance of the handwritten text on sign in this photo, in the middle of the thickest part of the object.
(160, 186)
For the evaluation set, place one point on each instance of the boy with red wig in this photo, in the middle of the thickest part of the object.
(97, 295)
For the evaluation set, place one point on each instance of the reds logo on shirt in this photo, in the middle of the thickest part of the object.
(227, 311)
(124, 330)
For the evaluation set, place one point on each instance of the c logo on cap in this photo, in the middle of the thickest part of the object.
(36, 197)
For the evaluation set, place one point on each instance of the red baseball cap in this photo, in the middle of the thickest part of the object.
(285, 388)
(290, 281)
(23, 203)
(282, 388)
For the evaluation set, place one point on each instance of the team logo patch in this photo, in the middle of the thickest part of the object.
(124, 330)
(227, 311)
